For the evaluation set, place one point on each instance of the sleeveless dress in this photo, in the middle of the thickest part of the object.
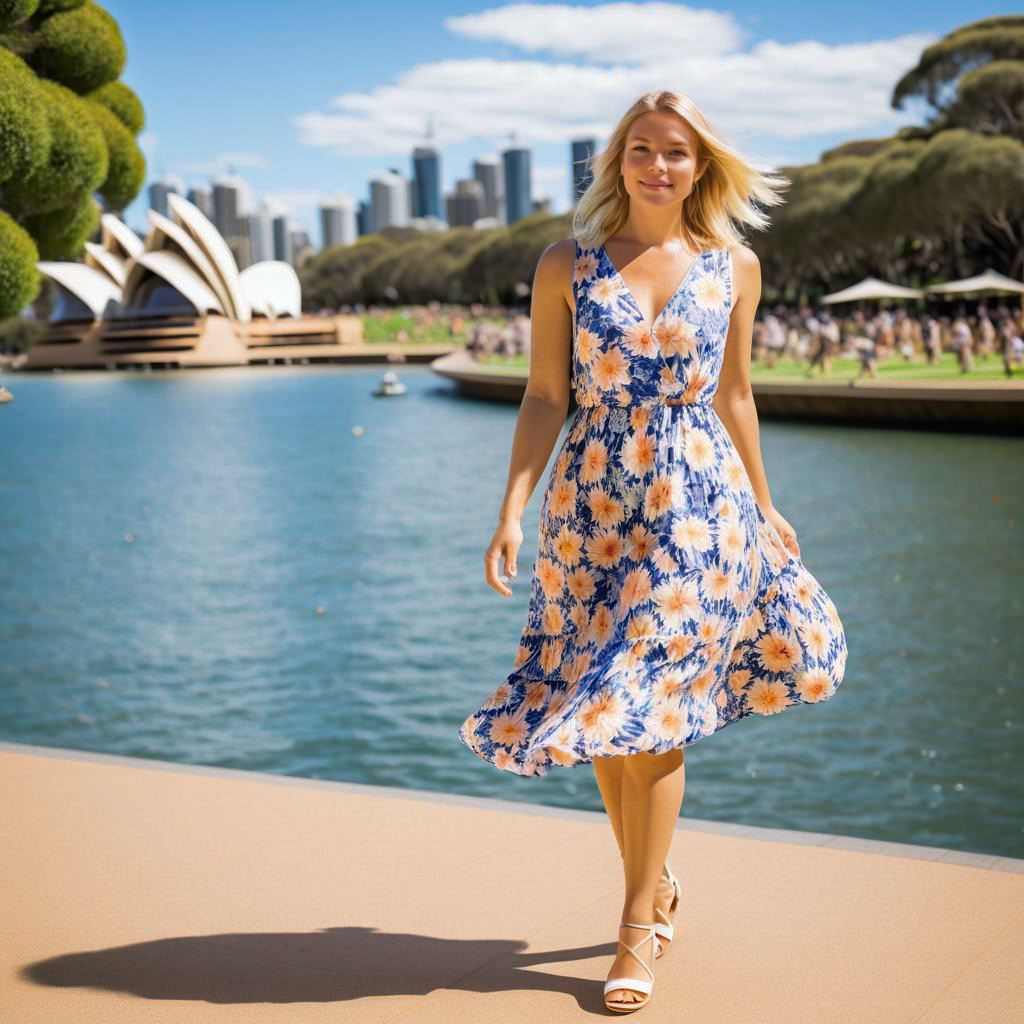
(663, 605)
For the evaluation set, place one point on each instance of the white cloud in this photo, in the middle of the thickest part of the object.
(768, 94)
(633, 33)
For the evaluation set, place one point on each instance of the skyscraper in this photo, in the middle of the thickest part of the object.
(161, 188)
(389, 200)
(337, 222)
(426, 163)
(489, 172)
(516, 163)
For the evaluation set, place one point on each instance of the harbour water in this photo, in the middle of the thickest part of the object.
(212, 567)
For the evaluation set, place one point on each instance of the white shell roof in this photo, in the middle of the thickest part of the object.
(111, 264)
(164, 229)
(90, 286)
(272, 288)
(115, 230)
(177, 273)
(212, 243)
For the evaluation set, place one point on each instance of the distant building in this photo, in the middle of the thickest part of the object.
(426, 162)
(489, 172)
(338, 223)
(282, 239)
(516, 163)
(229, 219)
(260, 229)
(161, 188)
(466, 205)
(389, 201)
(364, 218)
(203, 199)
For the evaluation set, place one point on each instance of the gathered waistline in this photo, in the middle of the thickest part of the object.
(673, 402)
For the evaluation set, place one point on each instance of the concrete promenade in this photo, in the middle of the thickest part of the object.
(140, 890)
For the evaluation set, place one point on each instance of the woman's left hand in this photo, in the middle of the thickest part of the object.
(786, 532)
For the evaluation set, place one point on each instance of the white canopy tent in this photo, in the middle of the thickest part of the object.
(989, 283)
(872, 288)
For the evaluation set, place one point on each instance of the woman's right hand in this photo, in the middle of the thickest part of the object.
(506, 541)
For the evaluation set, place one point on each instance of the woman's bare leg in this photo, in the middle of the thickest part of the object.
(608, 771)
(651, 795)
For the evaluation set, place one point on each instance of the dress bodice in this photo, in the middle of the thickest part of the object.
(619, 359)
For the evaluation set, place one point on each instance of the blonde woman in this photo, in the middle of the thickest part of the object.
(668, 598)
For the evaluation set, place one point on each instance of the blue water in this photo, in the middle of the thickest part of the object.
(210, 567)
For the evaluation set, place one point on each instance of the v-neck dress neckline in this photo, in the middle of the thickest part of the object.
(632, 298)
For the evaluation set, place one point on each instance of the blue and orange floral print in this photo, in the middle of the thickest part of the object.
(663, 605)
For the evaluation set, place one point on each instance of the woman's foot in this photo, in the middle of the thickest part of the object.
(631, 948)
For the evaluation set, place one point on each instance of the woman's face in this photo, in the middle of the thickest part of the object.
(659, 164)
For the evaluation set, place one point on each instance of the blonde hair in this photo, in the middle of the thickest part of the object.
(722, 197)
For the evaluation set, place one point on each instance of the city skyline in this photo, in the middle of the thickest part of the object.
(318, 103)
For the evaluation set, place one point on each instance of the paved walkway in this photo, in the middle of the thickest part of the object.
(138, 891)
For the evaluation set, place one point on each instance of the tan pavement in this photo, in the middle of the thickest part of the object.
(137, 891)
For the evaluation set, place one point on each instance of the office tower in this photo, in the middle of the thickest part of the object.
(389, 200)
(516, 164)
(582, 173)
(364, 218)
(261, 234)
(161, 188)
(229, 213)
(300, 246)
(489, 172)
(338, 222)
(466, 205)
(282, 239)
(426, 162)
(201, 198)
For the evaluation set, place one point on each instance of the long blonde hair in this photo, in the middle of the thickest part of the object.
(722, 197)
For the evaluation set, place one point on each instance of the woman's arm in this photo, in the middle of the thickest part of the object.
(734, 399)
(545, 403)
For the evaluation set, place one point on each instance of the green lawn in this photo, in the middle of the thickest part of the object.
(386, 327)
(989, 368)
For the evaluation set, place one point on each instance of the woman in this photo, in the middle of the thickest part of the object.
(667, 598)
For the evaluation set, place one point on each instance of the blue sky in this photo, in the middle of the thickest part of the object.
(307, 100)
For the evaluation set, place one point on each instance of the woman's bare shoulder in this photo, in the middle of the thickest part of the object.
(555, 267)
(743, 257)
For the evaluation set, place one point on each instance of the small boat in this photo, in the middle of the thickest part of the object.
(5, 395)
(390, 385)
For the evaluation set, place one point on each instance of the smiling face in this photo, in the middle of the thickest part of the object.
(659, 163)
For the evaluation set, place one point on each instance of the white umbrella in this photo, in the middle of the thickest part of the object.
(872, 288)
(989, 283)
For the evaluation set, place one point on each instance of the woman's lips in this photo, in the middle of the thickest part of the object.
(654, 184)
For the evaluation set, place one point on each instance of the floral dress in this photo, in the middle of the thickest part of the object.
(663, 605)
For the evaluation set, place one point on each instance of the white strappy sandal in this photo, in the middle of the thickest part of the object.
(665, 928)
(633, 984)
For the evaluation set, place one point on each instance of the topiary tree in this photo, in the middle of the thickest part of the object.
(68, 131)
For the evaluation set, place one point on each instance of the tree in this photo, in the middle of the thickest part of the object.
(68, 132)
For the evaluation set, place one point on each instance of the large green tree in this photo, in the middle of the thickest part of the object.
(68, 134)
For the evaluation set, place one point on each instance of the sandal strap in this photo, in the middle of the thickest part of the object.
(651, 930)
(630, 984)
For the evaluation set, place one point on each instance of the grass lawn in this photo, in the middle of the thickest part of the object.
(988, 368)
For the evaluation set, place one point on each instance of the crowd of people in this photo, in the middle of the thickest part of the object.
(816, 337)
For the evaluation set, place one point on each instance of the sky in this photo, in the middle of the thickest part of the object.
(307, 101)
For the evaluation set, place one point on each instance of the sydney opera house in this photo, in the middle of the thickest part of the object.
(177, 300)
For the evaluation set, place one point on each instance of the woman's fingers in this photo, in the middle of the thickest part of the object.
(491, 572)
